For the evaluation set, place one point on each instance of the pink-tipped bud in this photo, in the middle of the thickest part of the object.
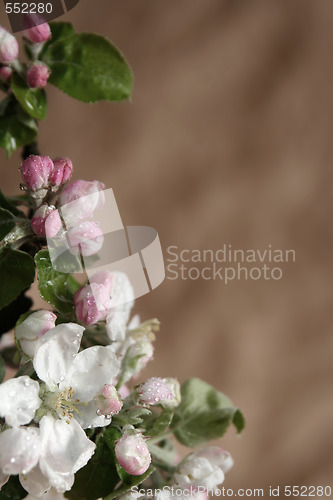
(87, 195)
(132, 454)
(8, 46)
(46, 221)
(5, 74)
(33, 328)
(36, 28)
(154, 391)
(87, 236)
(36, 170)
(105, 278)
(37, 75)
(109, 402)
(91, 303)
(62, 171)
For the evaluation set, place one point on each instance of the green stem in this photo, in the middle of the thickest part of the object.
(160, 437)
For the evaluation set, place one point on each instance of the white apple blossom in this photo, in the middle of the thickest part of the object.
(63, 450)
(74, 381)
(205, 467)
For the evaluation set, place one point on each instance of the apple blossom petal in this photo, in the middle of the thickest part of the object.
(19, 450)
(19, 400)
(90, 417)
(35, 483)
(55, 352)
(32, 328)
(65, 449)
(91, 369)
(3, 478)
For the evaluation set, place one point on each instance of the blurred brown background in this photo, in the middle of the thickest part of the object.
(227, 140)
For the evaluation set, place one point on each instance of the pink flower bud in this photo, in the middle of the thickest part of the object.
(8, 46)
(46, 221)
(109, 402)
(87, 236)
(105, 278)
(153, 391)
(91, 303)
(37, 75)
(92, 196)
(5, 74)
(132, 454)
(62, 171)
(36, 170)
(37, 29)
(33, 328)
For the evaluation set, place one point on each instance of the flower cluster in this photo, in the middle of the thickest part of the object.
(36, 33)
(76, 391)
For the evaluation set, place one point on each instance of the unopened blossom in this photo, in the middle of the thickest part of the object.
(154, 391)
(38, 75)
(85, 237)
(205, 467)
(5, 74)
(37, 30)
(174, 387)
(29, 332)
(91, 303)
(108, 401)
(8, 46)
(46, 221)
(105, 278)
(136, 358)
(62, 171)
(19, 400)
(73, 380)
(132, 454)
(36, 170)
(80, 199)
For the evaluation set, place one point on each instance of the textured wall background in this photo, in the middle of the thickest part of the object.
(228, 140)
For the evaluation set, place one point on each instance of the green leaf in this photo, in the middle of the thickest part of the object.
(2, 369)
(33, 101)
(98, 478)
(10, 314)
(160, 424)
(131, 417)
(203, 414)
(4, 203)
(239, 421)
(89, 68)
(17, 272)
(59, 30)
(17, 128)
(12, 490)
(7, 222)
(55, 287)
(135, 481)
